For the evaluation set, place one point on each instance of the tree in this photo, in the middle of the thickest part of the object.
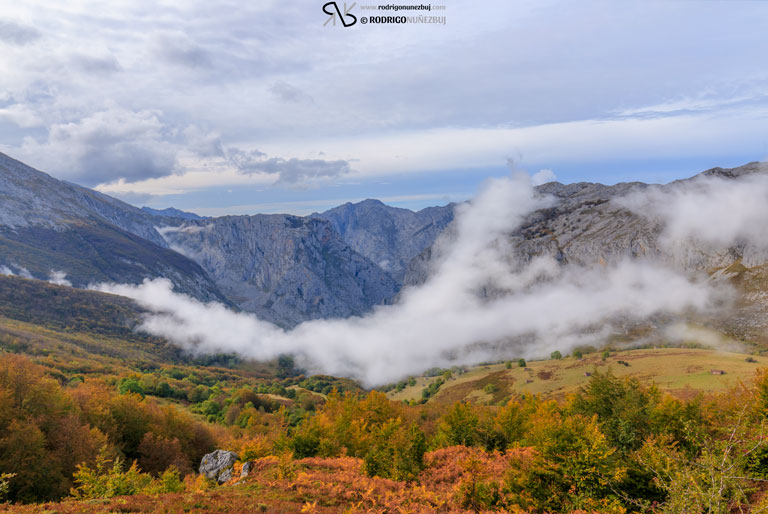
(459, 425)
(521, 363)
(574, 465)
(622, 407)
(397, 451)
(286, 366)
(556, 355)
(158, 454)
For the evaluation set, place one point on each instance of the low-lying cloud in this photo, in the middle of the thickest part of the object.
(720, 212)
(474, 306)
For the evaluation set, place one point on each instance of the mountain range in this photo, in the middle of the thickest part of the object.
(338, 263)
(284, 268)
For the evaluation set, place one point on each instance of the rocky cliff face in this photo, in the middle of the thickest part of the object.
(587, 226)
(284, 268)
(388, 236)
(47, 225)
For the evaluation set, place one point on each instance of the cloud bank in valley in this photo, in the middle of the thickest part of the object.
(473, 307)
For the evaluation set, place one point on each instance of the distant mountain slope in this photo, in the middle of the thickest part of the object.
(47, 225)
(284, 268)
(586, 227)
(171, 212)
(388, 236)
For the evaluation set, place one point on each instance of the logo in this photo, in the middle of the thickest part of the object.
(332, 10)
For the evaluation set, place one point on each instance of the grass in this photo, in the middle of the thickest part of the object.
(681, 371)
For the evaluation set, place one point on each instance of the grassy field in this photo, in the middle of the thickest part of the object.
(681, 371)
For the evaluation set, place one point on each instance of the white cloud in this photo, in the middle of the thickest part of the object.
(530, 312)
(543, 176)
(402, 99)
(104, 146)
(59, 278)
(715, 212)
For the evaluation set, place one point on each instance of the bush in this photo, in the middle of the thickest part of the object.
(5, 482)
(106, 481)
(521, 363)
(397, 453)
(556, 355)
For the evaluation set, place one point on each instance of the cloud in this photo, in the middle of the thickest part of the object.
(286, 92)
(106, 146)
(20, 271)
(291, 171)
(20, 115)
(59, 278)
(96, 64)
(543, 176)
(204, 144)
(15, 34)
(182, 51)
(473, 307)
(714, 211)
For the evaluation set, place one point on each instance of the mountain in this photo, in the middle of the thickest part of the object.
(284, 268)
(49, 226)
(586, 227)
(171, 212)
(388, 236)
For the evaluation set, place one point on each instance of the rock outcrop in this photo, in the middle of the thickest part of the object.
(218, 465)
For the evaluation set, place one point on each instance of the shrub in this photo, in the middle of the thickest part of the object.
(105, 481)
(5, 482)
(397, 453)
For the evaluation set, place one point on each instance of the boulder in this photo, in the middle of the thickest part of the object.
(218, 465)
(246, 469)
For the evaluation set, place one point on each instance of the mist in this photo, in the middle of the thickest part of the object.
(715, 212)
(474, 306)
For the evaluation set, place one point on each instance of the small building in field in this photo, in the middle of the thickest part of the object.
(717, 372)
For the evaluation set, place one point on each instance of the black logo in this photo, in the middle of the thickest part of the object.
(332, 10)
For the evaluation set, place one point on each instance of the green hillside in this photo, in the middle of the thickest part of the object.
(680, 371)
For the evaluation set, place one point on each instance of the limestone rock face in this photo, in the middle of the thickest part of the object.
(585, 226)
(285, 269)
(388, 236)
(218, 465)
(50, 225)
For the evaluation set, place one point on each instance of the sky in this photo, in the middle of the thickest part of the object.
(224, 107)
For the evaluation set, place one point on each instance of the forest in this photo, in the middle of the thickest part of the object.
(616, 445)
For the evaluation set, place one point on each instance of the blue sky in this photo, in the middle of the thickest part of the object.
(236, 108)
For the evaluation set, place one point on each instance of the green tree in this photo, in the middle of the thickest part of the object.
(397, 451)
(459, 425)
(556, 355)
(622, 407)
